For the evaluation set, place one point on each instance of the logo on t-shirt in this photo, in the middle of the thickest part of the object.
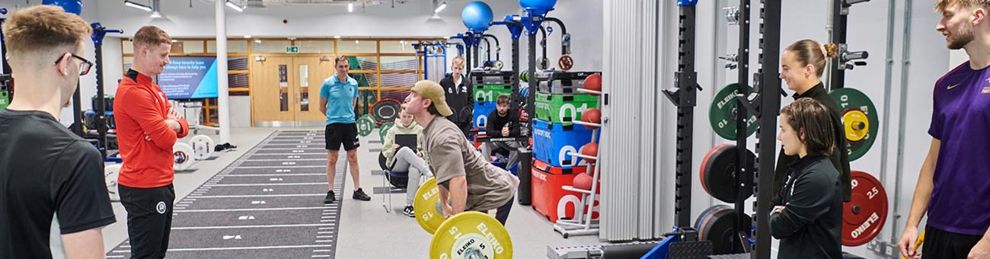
(161, 207)
(951, 86)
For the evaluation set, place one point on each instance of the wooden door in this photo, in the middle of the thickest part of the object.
(310, 73)
(272, 94)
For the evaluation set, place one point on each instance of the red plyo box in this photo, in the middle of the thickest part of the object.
(549, 198)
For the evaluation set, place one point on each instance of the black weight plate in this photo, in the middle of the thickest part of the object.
(386, 110)
(720, 174)
(719, 230)
(707, 214)
(704, 162)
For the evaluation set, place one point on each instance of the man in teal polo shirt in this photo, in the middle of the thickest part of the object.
(338, 96)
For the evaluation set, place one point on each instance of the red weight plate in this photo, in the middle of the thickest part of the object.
(719, 177)
(705, 218)
(704, 163)
(718, 228)
(864, 215)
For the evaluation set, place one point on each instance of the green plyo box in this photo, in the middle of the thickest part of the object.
(490, 92)
(558, 108)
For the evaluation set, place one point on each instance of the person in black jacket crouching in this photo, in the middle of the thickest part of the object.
(808, 220)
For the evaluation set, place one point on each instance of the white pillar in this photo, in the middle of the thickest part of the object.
(223, 100)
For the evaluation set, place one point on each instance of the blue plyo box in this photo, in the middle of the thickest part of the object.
(481, 111)
(552, 142)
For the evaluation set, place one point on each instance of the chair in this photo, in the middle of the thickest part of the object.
(391, 181)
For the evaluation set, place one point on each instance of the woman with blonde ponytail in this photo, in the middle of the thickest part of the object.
(801, 67)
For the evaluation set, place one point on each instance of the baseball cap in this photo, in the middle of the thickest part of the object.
(431, 90)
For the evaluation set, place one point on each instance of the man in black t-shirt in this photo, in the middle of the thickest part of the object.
(503, 122)
(44, 168)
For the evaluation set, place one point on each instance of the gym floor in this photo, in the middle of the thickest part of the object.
(364, 229)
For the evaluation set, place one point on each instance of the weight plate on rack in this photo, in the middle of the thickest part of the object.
(864, 215)
(716, 225)
(718, 172)
(722, 114)
(854, 105)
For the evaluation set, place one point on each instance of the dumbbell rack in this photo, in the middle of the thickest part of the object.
(583, 224)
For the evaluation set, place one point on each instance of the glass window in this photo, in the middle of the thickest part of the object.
(233, 46)
(363, 62)
(365, 79)
(270, 46)
(400, 63)
(399, 79)
(401, 46)
(189, 46)
(357, 46)
(314, 46)
(237, 63)
(237, 80)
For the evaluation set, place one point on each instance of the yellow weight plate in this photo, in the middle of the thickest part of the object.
(470, 234)
(857, 125)
(425, 206)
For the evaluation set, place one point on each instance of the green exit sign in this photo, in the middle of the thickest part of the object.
(292, 49)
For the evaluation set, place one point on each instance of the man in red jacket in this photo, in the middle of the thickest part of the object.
(147, 128)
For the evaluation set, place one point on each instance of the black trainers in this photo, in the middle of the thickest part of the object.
(330, 198)
(360, 195)
(408, 211)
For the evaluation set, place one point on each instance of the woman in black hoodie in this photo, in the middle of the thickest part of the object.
(809, 223)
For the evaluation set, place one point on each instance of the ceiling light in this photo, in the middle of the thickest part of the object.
(137, 5)
(442, 6)
(156, 14)
(350, 7)
(336, 36)
(235, 6)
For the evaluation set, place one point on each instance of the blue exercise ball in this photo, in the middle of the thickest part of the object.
(477, 16)
(70, 6)
(545, 5)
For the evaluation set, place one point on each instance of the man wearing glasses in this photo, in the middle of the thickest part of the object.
(147, 128)
(44, 168)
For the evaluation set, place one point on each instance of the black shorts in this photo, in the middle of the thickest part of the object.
(946, 245)
(342, 134)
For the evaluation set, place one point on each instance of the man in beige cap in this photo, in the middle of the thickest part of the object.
(466, 180)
